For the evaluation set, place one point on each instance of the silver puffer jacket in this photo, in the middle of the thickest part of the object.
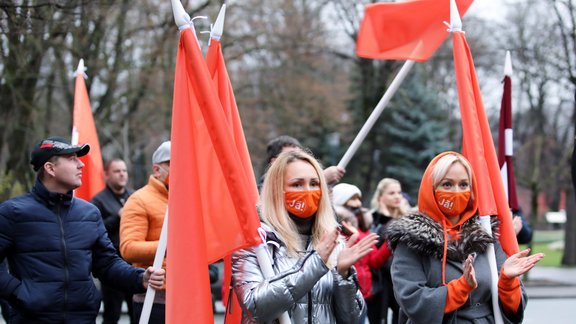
(303, 286)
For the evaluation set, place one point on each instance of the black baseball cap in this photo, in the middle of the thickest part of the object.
(54, 145)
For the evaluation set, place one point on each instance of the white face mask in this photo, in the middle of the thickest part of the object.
(167, 178)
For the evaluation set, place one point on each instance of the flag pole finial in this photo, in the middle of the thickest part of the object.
(508, 65)
(218, 28)
(81, 67)
(181, 17)
(455, 21)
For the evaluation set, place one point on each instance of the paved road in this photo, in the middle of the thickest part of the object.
(540, 310)
(551, 297)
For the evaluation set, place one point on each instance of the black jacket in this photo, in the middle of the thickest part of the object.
(109, 205)
(54, 243)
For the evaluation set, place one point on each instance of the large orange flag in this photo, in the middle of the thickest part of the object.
(219, 74)
(478, 146)
(211, 210)
(408, 30)
(84, 132)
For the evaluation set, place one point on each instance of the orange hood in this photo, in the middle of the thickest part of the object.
(427, 203)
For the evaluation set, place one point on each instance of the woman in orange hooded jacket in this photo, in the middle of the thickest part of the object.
(440, 270)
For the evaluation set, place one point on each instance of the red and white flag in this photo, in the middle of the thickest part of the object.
(84, 132)
(505, 138)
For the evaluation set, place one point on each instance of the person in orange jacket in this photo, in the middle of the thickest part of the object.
(141, 224)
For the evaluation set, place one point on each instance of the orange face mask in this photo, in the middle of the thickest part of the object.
(452, 203)
(302, 204)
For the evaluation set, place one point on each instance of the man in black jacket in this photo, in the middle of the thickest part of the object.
(110, 202)
(54, 243)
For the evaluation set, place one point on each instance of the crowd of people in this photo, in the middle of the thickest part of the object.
(333, 259)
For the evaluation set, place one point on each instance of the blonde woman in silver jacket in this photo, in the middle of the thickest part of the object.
(314, 280)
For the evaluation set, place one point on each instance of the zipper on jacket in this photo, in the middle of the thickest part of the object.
(310, 292)
(65, 255)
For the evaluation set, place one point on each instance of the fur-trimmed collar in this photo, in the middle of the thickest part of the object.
(424, 235)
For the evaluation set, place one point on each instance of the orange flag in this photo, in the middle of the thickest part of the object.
(219, 74)
(408, 30)
(211, 210)
(84, 132)
(478, 146)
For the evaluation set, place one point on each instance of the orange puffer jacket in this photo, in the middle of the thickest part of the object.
(141, 223)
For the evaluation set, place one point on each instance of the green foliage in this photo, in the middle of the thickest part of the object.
(544, 242)
(10, 187)
(418, 130)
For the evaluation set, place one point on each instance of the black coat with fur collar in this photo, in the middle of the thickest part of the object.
(418, 245)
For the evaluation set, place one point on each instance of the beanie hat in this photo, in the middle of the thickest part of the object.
(342, 192)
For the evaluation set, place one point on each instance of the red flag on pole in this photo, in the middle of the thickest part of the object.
(505, 138)
(84, 132)
(219, 74)
(408, 30)
(478, 147)
(211, 210)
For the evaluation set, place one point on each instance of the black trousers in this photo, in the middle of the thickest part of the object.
(112, 300)
(157, 314)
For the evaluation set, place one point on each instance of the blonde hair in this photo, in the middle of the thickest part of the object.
(444, 163)
(274, 213)
(380, 189)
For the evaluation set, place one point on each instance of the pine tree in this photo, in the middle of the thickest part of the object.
(416, 132)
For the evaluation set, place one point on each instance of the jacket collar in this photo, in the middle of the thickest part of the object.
(51, 198)
(424, 235)
(158, 186)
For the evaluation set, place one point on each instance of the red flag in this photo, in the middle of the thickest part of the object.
(408, 30)
(211, 210)
(478, 147)
(505, 140)
(219, 74)
(84, 132)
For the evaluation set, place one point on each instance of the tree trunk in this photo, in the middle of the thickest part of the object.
(569, 257)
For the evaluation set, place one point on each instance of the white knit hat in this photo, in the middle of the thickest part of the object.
(342, 192)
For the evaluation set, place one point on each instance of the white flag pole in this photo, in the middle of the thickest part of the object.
(158, 260)
(485, 222)
(456, 26)
(81, 69)
(375, 114)
(266, 266)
